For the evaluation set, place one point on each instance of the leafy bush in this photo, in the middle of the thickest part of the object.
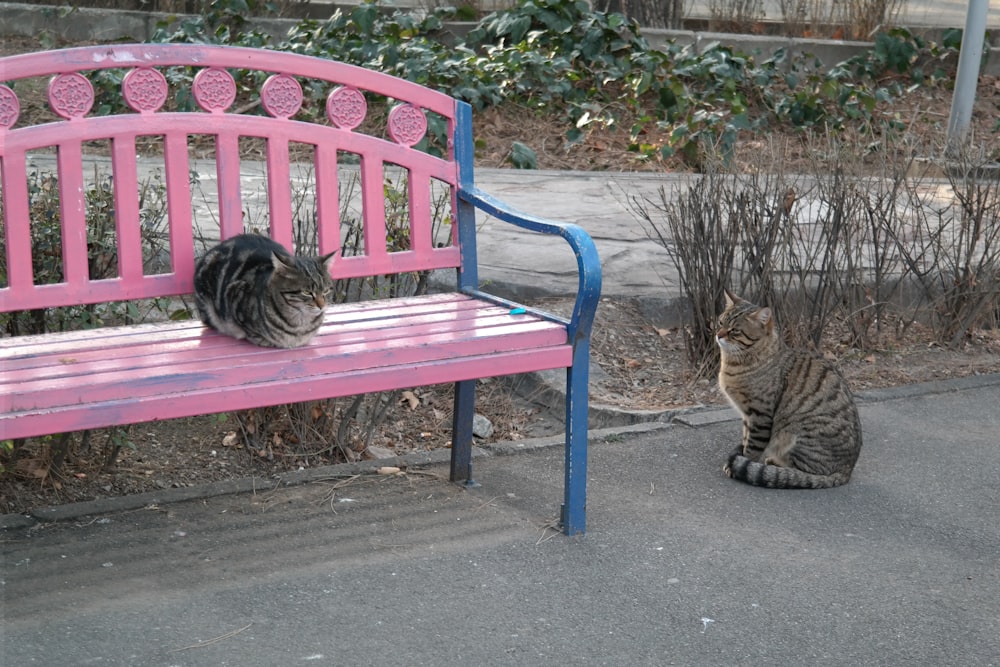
(596, 69)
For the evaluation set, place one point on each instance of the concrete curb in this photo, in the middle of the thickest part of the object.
(691, 418)
(118, 504)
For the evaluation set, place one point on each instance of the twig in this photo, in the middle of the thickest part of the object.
(211, 641)
(329, 497)
(487, 503)
(549, 525)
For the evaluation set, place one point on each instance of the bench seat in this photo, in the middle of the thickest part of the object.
(180, 369)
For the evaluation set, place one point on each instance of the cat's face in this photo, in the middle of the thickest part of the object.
(743, 325)
(303, 282)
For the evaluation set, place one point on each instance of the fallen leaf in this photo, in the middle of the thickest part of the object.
(633, 363)
(410, 398)
(230, 439)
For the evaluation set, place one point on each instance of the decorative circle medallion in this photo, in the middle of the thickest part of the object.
(407, 124)
(71, 95)
(214, 89)
(281, 96)
(346, 107)
(145, 89)
(10, 107)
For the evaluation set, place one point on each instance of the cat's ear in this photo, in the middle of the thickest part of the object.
(766, 318)
(327, 258)
(731, 299)
(281, 262)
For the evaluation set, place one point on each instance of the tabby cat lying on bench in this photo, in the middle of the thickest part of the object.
(251, 287)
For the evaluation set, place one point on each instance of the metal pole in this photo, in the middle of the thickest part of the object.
(968, 74)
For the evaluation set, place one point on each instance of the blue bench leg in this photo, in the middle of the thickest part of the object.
(574, 509)
(461, 432)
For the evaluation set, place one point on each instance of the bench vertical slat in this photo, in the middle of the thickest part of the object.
(177, 177)
(327, 198)
(73, 212)
(373, 211)
(227, 171)
(127, 222)
(20, 273)
(279, 191)
(421, 223)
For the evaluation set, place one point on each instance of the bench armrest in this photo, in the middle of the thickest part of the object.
(587, 260)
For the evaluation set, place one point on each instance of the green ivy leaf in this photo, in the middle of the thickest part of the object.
(522, 157)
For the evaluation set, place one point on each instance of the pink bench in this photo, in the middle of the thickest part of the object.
(62, 382)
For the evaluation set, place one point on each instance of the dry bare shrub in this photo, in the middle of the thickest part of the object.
(861, 237)
(735, 15)
(952, 246)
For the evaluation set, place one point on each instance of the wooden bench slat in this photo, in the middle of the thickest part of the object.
(183, 341)
(128, 223)
(327, 198)
(222, 372)
(72, 211)
(193, 401)
(17, 224)
(240, 364)
(341, 314)
(177, 177)
(279, 191)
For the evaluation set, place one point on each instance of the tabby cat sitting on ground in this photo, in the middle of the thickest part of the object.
(251, 287)
(800, 424)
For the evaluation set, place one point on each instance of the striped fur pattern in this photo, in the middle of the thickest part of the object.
(800, 425)
(252, 288)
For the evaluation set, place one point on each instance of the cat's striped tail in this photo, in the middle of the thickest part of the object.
(775, 477)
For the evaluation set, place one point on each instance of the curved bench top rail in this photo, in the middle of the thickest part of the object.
(116, 56)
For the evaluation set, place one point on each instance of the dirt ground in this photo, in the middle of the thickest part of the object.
(640, 365)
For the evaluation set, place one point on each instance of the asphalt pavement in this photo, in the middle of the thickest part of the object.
(680, 565)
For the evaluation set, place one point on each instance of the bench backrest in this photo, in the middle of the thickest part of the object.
(327, 122)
